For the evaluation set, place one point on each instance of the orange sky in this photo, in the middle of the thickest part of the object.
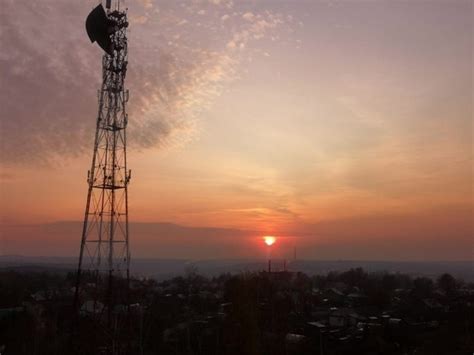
(344, 127)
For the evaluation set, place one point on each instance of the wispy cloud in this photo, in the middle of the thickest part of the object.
(179, 64)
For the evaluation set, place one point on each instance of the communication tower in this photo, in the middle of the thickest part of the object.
(102, 284)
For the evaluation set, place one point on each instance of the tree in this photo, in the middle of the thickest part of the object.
(447, 283)
(422, 287)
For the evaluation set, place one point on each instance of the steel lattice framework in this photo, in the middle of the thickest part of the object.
(105, 243)
(104, 261)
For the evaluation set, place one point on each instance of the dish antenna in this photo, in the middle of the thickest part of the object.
(100, 25)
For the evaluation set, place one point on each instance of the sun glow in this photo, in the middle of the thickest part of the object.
(269, 240)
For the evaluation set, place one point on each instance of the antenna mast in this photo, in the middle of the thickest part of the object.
(102, 284)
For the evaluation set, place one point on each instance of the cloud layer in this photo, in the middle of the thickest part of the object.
(181, 58)
(404, 236)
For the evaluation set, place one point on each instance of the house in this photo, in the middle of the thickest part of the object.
(5, 312)
(339, 318)
(355, 318)
(92, 307)
(320, 313)
(40, 296)
(356, 298)
(317, 325)
(295, 343)
(432, 304)
(333, 296)
(395, 322)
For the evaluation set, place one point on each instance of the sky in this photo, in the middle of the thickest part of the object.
(344, 128)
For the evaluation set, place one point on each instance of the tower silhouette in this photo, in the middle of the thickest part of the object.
(102, 283)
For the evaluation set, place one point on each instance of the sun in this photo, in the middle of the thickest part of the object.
(269, 240)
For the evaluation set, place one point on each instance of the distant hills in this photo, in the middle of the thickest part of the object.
(165, 268)
(449, 237)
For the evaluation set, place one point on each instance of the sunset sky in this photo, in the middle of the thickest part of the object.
(344, 128)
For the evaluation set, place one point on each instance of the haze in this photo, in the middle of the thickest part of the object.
(343, 128)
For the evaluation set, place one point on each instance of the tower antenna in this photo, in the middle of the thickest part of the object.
(103, 273)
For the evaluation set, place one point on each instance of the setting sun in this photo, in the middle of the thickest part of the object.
(269, 240)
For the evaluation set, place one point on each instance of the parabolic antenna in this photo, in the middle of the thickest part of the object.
(99, 28)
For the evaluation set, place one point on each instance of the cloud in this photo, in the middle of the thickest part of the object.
(148, 4)
(139, 20)
(50, 73)
(248, 16)
(352, 238)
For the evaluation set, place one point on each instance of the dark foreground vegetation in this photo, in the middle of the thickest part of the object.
(282, 313)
